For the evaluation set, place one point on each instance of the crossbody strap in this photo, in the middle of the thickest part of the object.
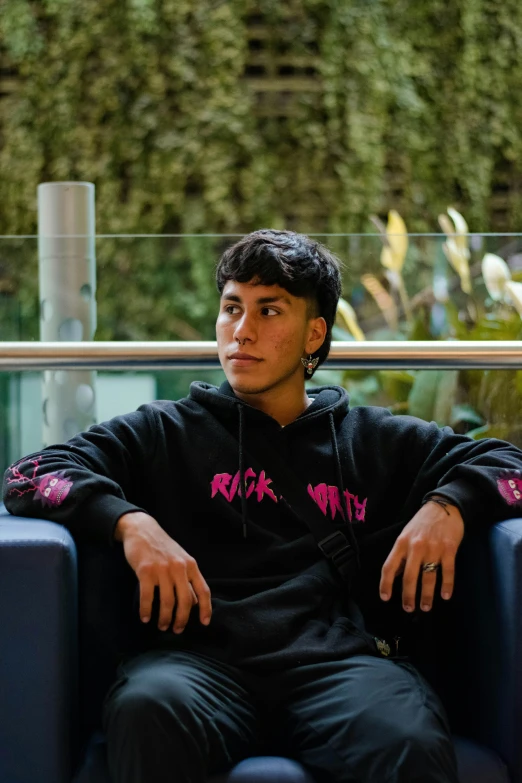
(334, 544)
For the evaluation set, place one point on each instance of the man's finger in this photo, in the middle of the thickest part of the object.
(429, 581)
(410, 579)
(202, 592)
(448, 576)
(167, 602)
(184, 605)
(393, 566)
(146, 597)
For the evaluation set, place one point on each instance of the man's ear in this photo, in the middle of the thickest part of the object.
(316, 334)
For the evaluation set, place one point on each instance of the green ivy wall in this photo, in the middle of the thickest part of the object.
(418, 105)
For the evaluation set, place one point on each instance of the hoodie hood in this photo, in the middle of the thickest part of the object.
(223, 403)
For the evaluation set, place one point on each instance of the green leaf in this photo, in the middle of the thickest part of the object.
(500, 431)
(465, 413)
(397, 384)
(433, 395)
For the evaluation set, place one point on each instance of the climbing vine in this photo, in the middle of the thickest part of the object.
(405, 105)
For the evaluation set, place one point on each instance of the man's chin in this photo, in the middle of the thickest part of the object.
(250, 383)
(243, 385)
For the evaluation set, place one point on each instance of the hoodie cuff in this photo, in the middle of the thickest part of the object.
(100, 515)
(462, 495)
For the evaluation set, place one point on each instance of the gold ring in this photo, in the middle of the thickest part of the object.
(428, 567)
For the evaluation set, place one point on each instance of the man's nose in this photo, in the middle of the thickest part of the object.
(245, 329)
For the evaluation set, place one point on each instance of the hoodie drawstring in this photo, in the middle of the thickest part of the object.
(335, 449)
(242, 482)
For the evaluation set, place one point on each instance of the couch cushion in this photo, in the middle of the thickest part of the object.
(94, 767)
(265, 769)
(477, 764)
(258, 769)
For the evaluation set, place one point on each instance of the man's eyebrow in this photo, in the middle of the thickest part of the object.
(231, 297)
(273, 300)
(262, 300)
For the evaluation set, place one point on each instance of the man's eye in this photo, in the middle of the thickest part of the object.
(269, 311)
(231, 309)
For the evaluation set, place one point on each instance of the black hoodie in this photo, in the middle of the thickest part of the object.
(276, 601)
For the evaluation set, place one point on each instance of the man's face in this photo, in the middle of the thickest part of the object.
(262, 333)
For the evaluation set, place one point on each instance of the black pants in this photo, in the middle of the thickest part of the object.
(176, 717)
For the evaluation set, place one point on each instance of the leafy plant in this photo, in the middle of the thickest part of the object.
(481, 403)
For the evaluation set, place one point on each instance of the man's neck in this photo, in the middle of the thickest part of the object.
(282, 405)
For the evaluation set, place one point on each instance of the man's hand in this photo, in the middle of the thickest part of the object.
(432, 536)
(159, 561)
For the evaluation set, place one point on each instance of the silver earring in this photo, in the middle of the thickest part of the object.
(310, 364)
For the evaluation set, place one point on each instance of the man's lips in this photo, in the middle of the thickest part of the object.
(240, 356)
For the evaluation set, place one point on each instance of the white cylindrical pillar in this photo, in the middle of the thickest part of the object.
(67, 279)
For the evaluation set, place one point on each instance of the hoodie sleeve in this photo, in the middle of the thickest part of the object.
(88, 483)
(482, 478)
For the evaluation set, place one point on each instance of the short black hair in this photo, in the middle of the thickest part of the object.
(295, 262)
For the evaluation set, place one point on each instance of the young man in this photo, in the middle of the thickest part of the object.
(255, 633)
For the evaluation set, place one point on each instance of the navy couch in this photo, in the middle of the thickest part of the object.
(58, 651)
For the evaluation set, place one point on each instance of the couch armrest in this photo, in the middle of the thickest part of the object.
(38, 643)
(482, 642)
(506, 676)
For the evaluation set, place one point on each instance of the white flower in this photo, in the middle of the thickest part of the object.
(515, 294)
(461, 230)
(496, 274)
(456, 247)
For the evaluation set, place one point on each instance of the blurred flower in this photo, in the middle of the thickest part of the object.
(496, 274)
(349, 319)
(395, 240)
(384, 301)
(515, 294)
(395, 243)
(456, 247)
(461, 231)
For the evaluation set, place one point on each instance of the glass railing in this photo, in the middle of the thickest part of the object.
(477, 402)
(161, 288)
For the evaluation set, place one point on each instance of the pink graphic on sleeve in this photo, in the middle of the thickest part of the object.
(23, 484)
(51, 489)
(511, 490)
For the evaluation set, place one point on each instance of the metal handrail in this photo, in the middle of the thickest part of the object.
(18, 356)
